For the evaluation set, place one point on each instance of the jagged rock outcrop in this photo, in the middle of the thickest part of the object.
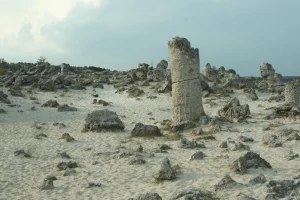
(233, 110)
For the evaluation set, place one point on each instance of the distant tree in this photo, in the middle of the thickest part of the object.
(41, 59)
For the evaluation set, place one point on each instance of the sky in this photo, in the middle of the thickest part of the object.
(120, 34)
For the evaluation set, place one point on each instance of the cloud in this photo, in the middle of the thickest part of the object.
(22, 21)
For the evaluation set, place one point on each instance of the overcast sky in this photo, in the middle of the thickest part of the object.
(119, 34)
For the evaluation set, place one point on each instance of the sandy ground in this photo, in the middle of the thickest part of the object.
(20, 178)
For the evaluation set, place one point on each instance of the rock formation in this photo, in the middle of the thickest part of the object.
(292, 92)
(186, 87)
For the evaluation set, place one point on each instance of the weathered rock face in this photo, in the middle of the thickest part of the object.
(163, 64)
(234, 111)
(292, 92)
(266, 70)
(103, 119)
(186, 87)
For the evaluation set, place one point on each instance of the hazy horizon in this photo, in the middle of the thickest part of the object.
(120, 34)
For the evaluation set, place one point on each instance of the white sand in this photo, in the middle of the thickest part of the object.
(20, 178)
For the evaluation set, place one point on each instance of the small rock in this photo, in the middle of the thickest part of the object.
(22, 153)
(137, 161)
(147, 196)
(223, 145)
(50, 177)
(271, 140)
(291, 155)
(240, 146)
(226, 183)
(186, 144)
(166, 171)
(51, 104)
(260, 179)
(65, 165)
(198, 156)
(140, 148)
(47, 185)
(66, 108)
(91, 184)
(244, 139)
(67, 137)
(64, 155)
(69, 172)
(164, 147)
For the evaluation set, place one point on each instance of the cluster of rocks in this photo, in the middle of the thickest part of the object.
(233, 110)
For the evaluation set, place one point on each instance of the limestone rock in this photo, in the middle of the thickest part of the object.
(51, 103)
(193, 194)
(141, 130)
(226, 183)
(166, 171)
(103, 119)
(147, 196)
(66, 108)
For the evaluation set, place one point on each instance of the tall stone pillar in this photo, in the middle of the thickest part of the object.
(62, 66)
(292, 92)
(186, 87)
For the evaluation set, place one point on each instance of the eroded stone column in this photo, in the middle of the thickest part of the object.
(62, 66)
(186, 87)
(292, 92)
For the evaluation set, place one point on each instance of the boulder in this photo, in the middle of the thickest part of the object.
(66, 108)
(103, 119)
(141, 130)
(51, 104)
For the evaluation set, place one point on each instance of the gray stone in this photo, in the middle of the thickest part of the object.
(292, 92)
(271, 140)
(134, 91)
(166, 171)
(66, 108)
(249, 160)
(141, 130)
(186, 144)
(226, 183)
(260, 179)
(193, 194)
(198, 156)
(47, 185)
(137, 161)
(51, 103)
(103, 119)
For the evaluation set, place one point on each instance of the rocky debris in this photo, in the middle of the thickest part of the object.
(141, 130)
(260, 179)
(241, 196)
(16, 92)
(102, 102)
(232, 110)
(22, 153)
(147, 196)
(103, 119)
(193, 194)
(91, 185)
(238, 146)
(3, 98)
(223, 145)
(64, 155)
(244, 139)
(47, 85)
(226, 183)
(2, 111)
(134, 91)
(279, 189)
(284, 111)
(60, 125)
(69, 172)
(65, 165)
(288, 134)
(166, 171)
(271, 140)
(51, 104)
(97, 85)
(40, 136)
(251, 94)
(186, 144)
(137, 161)
(156, 75)
(67, 137)
(140, 148)
(291, 155)
(78, 86)
(276, 98)
(199, 155)
(47, 185)
(66, 108)
(182, 126)
(164, 147)
(249, 160)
